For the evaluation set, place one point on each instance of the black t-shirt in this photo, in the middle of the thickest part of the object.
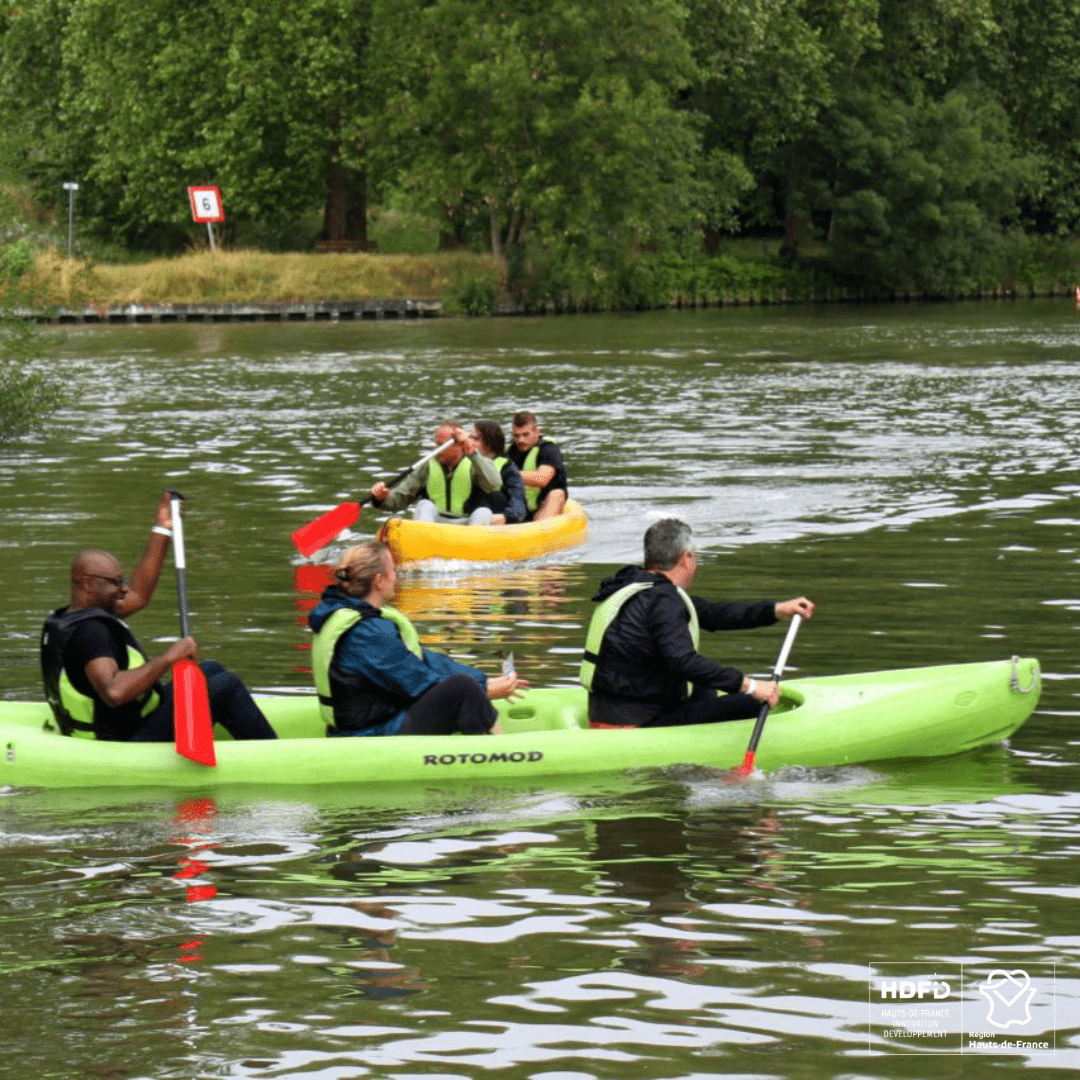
(549, 454)
(91, 640)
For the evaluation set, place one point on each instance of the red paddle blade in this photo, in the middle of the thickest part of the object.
(741, 772)
(312, 578)
(191, 714)
(318, 533)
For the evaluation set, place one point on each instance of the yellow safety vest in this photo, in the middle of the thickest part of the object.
(331, 632)
(532, 494)
(605, 615)
(461, 485)
(80, 707)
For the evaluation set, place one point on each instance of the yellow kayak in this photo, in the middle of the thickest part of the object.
(413, 541)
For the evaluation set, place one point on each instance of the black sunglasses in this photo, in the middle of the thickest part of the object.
(117, 582)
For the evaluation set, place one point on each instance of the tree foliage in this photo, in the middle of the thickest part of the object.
(553, 123)
(920, 195)
(910, 139)
(148, 97)
(29, 394)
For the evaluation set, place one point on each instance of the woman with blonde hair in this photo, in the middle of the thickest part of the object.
(371, 672)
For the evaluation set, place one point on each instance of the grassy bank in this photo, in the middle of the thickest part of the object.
(230, 277)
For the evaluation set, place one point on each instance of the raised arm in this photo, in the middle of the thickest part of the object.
(144, 578)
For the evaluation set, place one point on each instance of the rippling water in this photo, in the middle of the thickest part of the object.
(913, 469)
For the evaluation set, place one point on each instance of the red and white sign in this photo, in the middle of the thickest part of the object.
(206, 204)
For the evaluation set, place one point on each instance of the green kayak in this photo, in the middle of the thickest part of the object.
(836, 720)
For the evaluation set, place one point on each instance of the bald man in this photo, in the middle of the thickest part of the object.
(99, 680)
(454, 488)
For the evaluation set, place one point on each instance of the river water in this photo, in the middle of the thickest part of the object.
(912, 468)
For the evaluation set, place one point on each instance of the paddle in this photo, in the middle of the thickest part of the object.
(318, 533)
(193, 727)
(747, 767)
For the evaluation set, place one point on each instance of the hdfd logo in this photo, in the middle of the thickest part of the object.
(915, 1009)
(1009, 994)
(905, 990)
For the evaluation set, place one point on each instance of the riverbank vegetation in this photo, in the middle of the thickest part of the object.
(29, 392)
(230, 277)
(562, 155)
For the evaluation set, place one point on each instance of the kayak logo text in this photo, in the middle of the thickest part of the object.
(517, 756)
(917, 1009)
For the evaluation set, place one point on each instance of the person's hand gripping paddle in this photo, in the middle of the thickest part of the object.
(194, 728)
(318, 533)
(741, 772)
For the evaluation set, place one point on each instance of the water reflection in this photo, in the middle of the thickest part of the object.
(639, 934)
(195, 821)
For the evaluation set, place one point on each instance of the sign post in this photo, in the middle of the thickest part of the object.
(70, 187)
(206, 206)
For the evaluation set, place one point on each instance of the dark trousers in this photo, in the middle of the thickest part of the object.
(458, 703)
(709, 707)
(231, 706)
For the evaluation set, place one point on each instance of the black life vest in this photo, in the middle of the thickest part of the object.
(77, 713)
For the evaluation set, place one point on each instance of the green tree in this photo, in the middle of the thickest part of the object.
(30, 80)
(921, 195)
(145, 97)
(1036, 70)
(768, 69)
(29, 394)
(543, 125)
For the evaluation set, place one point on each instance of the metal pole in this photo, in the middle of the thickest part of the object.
(70, 187)
(210, 230)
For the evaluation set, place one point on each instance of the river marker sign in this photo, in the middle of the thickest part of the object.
(206, 204)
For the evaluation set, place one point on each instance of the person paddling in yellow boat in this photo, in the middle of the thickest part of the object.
(642, 667)
(542, 469)
(371, 672)
(508, 504)
(453, 488)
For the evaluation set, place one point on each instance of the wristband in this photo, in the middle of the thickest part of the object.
(751, 686)
(160, 530)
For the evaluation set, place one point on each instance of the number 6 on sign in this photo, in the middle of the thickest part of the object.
(205, 204)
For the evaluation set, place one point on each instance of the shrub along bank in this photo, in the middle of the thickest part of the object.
(476, 284)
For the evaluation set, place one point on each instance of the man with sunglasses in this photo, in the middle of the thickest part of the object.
(99, 680)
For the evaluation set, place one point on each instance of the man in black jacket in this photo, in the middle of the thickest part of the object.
(642, 667)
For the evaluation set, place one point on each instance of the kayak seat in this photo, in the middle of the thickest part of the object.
(558, 716)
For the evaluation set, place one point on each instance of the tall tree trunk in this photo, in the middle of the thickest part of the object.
(797, 223)
(452, 233)
(345, 210)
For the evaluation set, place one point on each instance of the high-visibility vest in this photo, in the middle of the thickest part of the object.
(75, 711)
(461, 485)
(532, 494)
(605, 615)
(324, 647)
